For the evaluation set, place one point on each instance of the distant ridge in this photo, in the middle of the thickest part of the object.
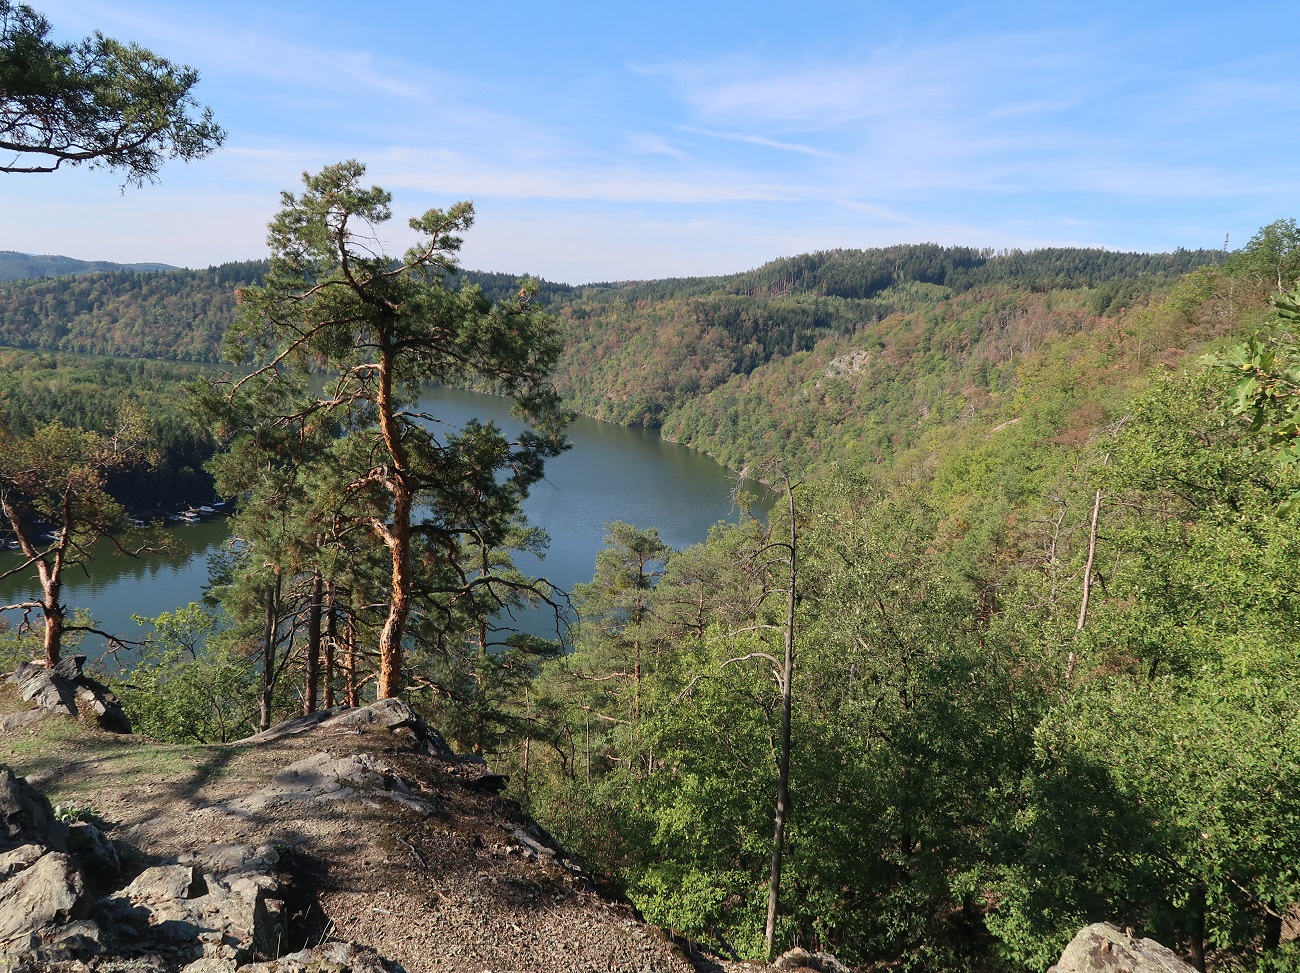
(24, 266)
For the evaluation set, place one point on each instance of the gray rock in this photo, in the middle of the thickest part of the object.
(269, 935)
(68, 691)
(78, 940)
(164, 883)
(801, 959)
(97, 702)
(230, 859)
(320, 777)
(93, 850)
(221, 916)
(210, 964)
(50, 893)
(20, 719)
(13, 862)
(328, 958)
(70, 667)
(827, 963)
(26, 816)
(393, 714)
(793, 959)
(1105, 948)
(38, 685)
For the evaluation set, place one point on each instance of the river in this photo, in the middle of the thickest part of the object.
(611, 473)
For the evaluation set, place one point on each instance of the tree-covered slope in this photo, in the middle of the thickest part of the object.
(1043, 621)
(180, 314)
(20, 266)
(795, 360)
(865, 348)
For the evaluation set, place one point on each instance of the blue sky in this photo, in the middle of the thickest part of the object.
(605, 141)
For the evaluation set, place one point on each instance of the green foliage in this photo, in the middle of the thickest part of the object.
(180, 314)
(72, 813)
(186, 687)
(1271, 259)
(1267, 392)
(979, 768)
(804, 360)
(96, 102)
(37, 389)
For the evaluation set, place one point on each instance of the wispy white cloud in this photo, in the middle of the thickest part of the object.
(646, 143)
(616, 181)
(932, 80)
(954, 128)
(759, 140)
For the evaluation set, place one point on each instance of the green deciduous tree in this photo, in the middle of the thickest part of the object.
(97, 102)
(187, 686)
(1267, 392)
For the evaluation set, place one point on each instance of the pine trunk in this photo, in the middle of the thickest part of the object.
(312, 675)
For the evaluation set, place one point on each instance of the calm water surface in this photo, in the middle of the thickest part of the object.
(611, 473)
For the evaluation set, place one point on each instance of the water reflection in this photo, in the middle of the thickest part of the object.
(610, 474)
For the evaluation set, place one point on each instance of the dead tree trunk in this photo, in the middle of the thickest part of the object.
(783, 763)
(1072, 659)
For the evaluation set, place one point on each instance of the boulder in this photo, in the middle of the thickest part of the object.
(324, 777)
(26, 816)
(13, 862)
(67, 691)
(231, 859)
(20, 719)
(793, 959)
(78, 940)
(48, 894)
(226, 917)
(165, 883)
(392, 714)
(328, 958)
(93, 850)
(801, 959)
(1105, 948)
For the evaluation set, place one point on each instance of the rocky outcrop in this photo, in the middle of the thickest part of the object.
(26, 817)
(354, 836)
(796, 960)
(67, 691)
(1104, 948)
(330, 956)
(40, 899)
(216, 913)
(42, 888)
(391, 714)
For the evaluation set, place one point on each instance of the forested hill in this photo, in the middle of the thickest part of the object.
(21, 266)
(176, 314)
(62, 304)
(793, 361)
(863, 274)
(179, 314)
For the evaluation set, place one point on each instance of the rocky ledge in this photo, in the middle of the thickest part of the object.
(351, 840)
